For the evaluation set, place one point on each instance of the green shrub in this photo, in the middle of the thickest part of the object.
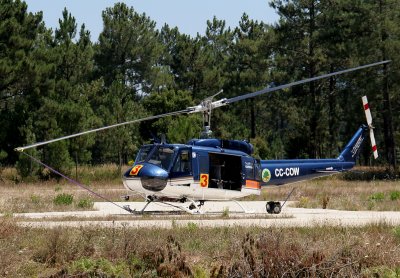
(200, 272)
(63, 199)
(85, 203)
(225, 212)
(35, 199)
(378, 197)
(368, 175)
(396, 232)
(192, 226)
(394, 195)
(98, 268)
(304, 202)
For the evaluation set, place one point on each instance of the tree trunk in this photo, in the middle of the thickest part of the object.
(390, 147)
(253, 119)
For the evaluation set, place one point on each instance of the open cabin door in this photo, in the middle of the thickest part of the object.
(225, 171)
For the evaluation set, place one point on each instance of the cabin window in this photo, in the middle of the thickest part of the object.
(203, 164)
(183, 162)
(249, 166)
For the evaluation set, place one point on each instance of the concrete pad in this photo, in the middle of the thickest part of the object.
(290, 216)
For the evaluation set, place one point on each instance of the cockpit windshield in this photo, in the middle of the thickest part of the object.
(143, 153)
(161, 156)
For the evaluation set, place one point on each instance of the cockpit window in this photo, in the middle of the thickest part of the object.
(162, 157)
(143, 153)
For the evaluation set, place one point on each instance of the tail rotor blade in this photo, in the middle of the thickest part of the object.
(367, 110)
(373, 143)
(371, 128)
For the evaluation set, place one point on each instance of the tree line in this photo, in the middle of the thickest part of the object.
(59, 82)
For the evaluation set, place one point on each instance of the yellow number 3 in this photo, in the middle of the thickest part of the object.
(204, 180)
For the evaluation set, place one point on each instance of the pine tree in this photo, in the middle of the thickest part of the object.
(19, 74)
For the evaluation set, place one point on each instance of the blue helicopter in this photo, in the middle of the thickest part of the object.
(214, 169)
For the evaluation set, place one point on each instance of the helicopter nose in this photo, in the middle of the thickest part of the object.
(151, 177)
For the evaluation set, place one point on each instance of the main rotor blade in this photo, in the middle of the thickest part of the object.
(285, 86)
(21, 149)
(201, 107)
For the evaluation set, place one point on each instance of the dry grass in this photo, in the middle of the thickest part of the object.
(372, 251)
(38, 196)
(196, 252)
(335, 193)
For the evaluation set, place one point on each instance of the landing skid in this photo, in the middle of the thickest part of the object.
(192, 208)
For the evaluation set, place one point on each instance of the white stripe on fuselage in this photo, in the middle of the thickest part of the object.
(187, 187)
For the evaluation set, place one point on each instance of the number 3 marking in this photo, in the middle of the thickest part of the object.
(204, 180)
(135, 170)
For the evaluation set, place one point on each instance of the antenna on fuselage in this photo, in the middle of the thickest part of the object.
(208, 105)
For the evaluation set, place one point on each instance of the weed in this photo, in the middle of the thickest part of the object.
(370, 205)
(175, 264)
(200, 272)
(56, 248)
(35, 199)
(7, 227)
(377, 197)
(304, 202)
(87, 267)
(394, 195)
(85, 203)
(325, 201)
(58, 188)
(194, 244)
(225, 212)
(382, 271)
(396, 232)
(63, 199)
(192, 226)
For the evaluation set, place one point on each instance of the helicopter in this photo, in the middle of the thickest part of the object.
(210, 169)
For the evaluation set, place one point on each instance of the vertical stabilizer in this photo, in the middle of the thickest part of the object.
(353, 148)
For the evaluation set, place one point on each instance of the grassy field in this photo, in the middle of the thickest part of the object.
(326, 251)
(372, 251)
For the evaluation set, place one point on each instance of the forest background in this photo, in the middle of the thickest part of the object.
(59, 82)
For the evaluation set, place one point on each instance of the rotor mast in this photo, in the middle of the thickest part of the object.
(206, 107)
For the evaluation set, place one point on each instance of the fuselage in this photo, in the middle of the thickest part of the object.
(207, 169)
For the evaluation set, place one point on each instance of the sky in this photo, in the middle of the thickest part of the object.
(190, 16)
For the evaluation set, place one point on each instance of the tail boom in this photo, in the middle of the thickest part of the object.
(278, 172)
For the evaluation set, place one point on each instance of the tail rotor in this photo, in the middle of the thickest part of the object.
(370, 126)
